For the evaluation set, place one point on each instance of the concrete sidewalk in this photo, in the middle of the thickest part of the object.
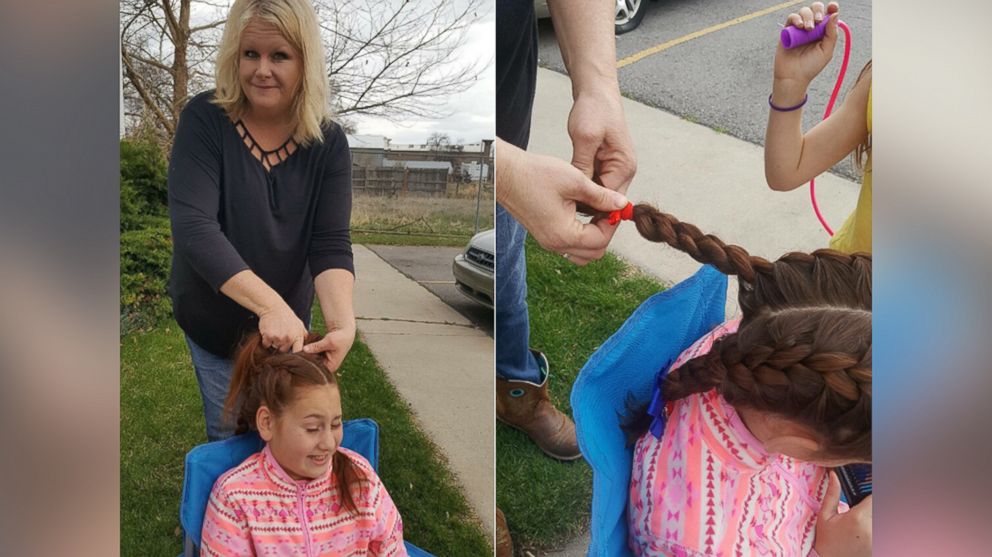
(709, 179)
(441, 365)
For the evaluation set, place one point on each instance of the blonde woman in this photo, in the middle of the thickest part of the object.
(260, 201)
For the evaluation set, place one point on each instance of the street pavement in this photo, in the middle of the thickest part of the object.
(441, 364)
(722, 79)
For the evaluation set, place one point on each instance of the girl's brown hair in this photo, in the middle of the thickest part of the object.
(862, 153)
(263, 377)
(803, 349)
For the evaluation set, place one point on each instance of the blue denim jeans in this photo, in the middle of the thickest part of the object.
(213, 373)
(514, 360)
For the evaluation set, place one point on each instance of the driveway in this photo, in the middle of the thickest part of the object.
(430, 266)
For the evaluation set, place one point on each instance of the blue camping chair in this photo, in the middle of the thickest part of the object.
(657, 332)
(205, 463)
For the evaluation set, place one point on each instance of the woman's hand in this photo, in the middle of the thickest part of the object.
(281, 329)
(843, 534)
(335, 290)
(801, 64)
(279, 326)
(333, 347)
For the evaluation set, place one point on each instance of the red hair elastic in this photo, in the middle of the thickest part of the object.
(627, 213)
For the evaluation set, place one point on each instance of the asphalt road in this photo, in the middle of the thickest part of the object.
(430, 266)
(721, 79)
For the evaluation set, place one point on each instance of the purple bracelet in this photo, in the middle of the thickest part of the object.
(788, 108)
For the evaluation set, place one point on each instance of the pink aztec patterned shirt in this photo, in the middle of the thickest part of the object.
(708, 487)
(256, 508)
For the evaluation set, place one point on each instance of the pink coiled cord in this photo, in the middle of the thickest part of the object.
(826, 113)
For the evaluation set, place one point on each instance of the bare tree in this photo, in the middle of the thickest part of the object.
(394, 58)
(438, 142)
(164, 54)
(388, 58)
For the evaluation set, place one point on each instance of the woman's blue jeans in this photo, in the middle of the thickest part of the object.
(213, 373)
(514, 360)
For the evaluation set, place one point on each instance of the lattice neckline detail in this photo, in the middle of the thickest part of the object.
(268, 159)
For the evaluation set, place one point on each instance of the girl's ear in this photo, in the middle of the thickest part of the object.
(265, 422)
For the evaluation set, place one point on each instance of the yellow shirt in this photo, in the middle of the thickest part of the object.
(855, 234)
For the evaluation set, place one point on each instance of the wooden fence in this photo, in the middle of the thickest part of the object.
(399, 181)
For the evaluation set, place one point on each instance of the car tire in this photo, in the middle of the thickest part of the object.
(629, 14)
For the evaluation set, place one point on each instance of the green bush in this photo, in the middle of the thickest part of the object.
(146, 241)
(145, 260)
(144, 190)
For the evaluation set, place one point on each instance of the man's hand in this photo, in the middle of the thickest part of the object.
(601, 145)
(541, 193)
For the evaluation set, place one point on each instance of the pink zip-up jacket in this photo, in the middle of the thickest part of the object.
(709, 488)
(256, 508)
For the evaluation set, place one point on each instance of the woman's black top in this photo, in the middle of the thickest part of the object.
(286, 224)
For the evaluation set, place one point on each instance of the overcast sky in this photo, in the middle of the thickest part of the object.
(473, 112)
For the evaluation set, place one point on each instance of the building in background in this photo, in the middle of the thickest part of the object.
(368, 151)
(472, 170)
(462, 161)
(432, 165)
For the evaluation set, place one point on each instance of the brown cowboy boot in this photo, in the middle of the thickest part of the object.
(504, 544)
(525, 406)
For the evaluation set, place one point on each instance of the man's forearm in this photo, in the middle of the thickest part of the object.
(585, 33)
(505, 184)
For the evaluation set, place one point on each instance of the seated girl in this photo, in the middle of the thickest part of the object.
(303, 494)
(736, 460)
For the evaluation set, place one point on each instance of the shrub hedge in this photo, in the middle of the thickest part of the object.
(146, 240)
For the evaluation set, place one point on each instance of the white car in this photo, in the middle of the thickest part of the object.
(629, 13)
(475, 268)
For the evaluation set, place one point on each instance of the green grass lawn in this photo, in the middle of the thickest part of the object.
(162, 418)
(418, 221)
(572, 311)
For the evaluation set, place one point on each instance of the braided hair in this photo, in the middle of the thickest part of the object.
(803, 349)
(263, 377)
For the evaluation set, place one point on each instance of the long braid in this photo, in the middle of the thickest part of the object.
(803, 349)
(824, 277)
(810, 365)
(705, 248)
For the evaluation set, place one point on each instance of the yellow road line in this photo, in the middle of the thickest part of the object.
(674, 42)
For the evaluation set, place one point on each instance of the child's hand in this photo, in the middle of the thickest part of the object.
(802, 63)
(843, 534)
